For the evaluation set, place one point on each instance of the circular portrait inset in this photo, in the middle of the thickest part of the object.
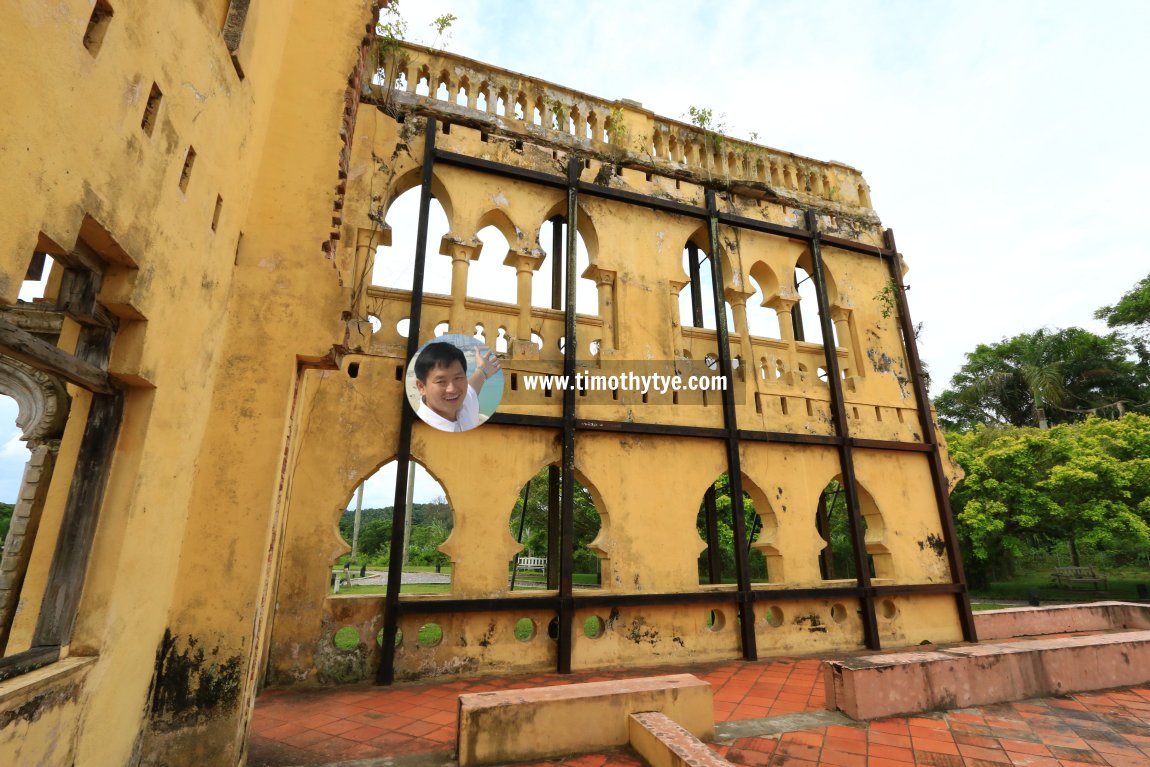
(454, 383)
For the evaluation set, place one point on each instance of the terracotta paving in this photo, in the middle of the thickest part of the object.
(1112, 729)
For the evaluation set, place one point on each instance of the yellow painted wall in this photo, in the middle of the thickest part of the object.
(244, 434)
(182, 545)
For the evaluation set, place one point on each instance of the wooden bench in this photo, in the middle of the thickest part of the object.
(531, 563)
(1087, 577)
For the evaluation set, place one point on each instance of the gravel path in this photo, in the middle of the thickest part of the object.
(380, 579)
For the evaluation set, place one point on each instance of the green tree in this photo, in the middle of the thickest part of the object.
(6, 510)
(1086, 483)
(1035, 379)
(586, 522)
(1132, 310)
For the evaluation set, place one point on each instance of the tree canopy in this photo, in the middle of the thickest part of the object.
(1044, 377)
(1132, 310)
(1086, 483)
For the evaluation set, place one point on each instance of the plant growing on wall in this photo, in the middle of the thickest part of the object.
(713, 126)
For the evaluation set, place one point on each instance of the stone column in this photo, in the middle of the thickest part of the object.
(677, 347)
(605, 284)
(525, 263)
(462, 253)
(22, 531)
(840, 316)
(738, 301)
(782, 306)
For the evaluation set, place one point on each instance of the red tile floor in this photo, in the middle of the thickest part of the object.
(330, 726)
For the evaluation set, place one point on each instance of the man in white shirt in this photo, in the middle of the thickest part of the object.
(448, 399)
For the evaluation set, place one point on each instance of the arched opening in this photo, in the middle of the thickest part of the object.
(395, 264)
(762, 320)
(488, 277)
(548, 289)
(805, 313)
(14, 455)
(715, 525)
(535, 524)
(696, 302)
(366, 526)
(836, 559)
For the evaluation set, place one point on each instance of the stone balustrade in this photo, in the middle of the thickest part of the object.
(621, 129)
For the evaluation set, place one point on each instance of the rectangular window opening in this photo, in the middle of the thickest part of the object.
(810, 408)
(758, 403)
(186, 172)
(97, 26)
(216, 215)
(514, 382)
(878, 413)
(783, 405)
(152, 109)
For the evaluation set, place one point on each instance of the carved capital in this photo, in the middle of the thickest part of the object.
(42, 400)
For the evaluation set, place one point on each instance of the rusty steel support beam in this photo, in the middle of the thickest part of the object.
(731, 424)
(385, 674)
(846, 456)
(567, 477)
(937, 474)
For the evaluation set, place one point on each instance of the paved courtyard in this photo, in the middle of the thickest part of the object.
(768, 714)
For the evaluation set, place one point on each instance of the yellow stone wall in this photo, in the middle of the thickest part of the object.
(214, 324)
(647, 488)
(244, 433)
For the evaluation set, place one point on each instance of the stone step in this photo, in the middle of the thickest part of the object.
(663, 743)
(542, 722)
(896, 684)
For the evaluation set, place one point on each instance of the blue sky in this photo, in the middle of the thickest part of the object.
(1005, 142)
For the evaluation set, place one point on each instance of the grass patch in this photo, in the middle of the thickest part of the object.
(977, 606)
(1122, 584)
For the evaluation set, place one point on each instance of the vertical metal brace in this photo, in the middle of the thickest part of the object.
(714, 560)
(385, 674)
(567, 479)
(937, 474)
(730, 422)
(846, 457)
(554, 525)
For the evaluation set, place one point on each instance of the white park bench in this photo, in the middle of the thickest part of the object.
(532, 563)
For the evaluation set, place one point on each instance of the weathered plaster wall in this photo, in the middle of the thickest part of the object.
(647, 488)
(206, 344)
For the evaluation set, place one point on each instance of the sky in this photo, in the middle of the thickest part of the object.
(1005, 142)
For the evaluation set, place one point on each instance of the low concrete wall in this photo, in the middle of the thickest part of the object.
(536, 723)
(1060, 619)
(975, 675)
(663, 743)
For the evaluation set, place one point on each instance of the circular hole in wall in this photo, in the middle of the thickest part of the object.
(838, 613)
(376, 323)
(430, 634)
(888, 609)
(525, 629)
(398, 637)
(715, 620)
(347, 638)
(553, 628)
(773, 617)
(594, 627)
(401, 327)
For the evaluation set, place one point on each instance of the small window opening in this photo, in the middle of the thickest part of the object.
(97, 26)
(152, 109)
(186, 173)
(216, 214)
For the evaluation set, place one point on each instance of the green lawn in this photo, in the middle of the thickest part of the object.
(1122, 585)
